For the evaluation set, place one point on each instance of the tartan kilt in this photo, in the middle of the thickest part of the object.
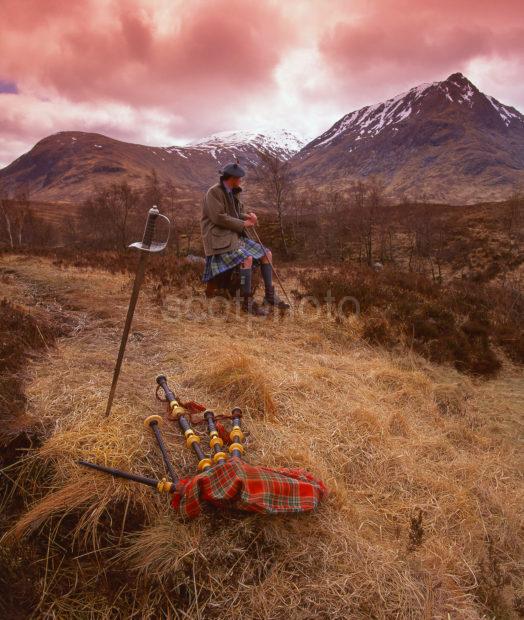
(218, 263)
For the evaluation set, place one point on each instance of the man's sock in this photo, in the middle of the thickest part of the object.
(245, 282)
(267, 276)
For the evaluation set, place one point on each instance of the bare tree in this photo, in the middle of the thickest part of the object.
(276, 183)
(23, 214)
(5, 211)
(126, 201)
(190, 224)
(152, 193)
(15, 214)
(110, 215)
(367, 211)
(363, 220)
(19, 224)
(512, 218)
(170, 192)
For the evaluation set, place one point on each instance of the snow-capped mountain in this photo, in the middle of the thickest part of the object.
(509, 115)
(446, 140)
(372, 120)
(279, 142)
(67, 165)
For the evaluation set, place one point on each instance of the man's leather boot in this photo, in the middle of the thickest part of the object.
(252, 307)
(272, 299)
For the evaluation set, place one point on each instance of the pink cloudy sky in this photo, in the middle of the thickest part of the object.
(164, 72)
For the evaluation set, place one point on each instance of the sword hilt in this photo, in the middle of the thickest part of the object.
(147, 245)
(150, 226)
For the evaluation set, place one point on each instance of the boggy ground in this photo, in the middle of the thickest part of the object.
(425, 506)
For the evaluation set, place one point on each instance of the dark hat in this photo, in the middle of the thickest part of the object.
(234, 170)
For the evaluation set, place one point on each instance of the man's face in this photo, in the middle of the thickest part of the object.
(235, 181)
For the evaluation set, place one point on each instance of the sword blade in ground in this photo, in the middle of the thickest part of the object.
(145, 248)
(127, 327)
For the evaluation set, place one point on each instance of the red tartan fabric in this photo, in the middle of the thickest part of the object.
(193, 407)
(236, 484)
(223, 433)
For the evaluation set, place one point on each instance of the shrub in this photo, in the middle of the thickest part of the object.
(458, 323)
(167, 269)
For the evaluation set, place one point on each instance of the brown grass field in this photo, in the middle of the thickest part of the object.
(423, 463)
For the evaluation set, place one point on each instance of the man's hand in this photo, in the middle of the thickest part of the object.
(251, 220)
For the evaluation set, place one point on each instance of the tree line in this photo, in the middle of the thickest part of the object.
(360, 223)
(299, 220)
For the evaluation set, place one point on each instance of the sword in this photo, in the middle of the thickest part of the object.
(145, 246)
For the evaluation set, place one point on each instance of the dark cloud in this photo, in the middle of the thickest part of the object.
(8, 87)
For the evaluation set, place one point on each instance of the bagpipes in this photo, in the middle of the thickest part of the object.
(224, 479)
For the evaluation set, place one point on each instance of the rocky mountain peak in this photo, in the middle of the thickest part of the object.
(445, 138)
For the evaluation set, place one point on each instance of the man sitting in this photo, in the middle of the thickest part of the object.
(224, 227)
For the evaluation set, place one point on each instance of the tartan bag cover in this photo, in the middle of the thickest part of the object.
(236, 484)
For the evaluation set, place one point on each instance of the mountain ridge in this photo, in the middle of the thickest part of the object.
(444, 141)
(70, 163)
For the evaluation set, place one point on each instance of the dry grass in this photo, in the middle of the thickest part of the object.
(424, 514)
(238, 378)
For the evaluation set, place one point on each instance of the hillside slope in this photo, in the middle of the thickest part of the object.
(442, 142)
